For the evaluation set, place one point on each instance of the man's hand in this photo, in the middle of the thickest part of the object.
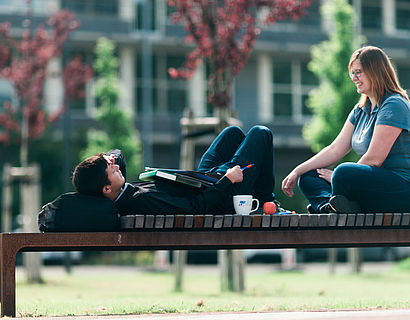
(234, 174)
(110, 159)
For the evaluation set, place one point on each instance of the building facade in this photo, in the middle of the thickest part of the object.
(270, 90)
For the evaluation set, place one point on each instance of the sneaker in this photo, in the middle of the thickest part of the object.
(326, 208)
(310, 209)
(341, 204)
(279, 209)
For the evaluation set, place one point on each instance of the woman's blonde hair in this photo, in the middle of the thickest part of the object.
(378, 68)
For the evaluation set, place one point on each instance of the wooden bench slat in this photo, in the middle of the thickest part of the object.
(333, 219)
(159, 221)
(294, 221)
(360, 220)
(246, 221)
(387, 219)
(149, 222)
(284, 221)
(139, 221)
(341, 220)
(256, 221)
(208, 221)
(369, 220)
(275, 221)
(266, 221)
(218, 221)
(179, 221)
(378, 220)
(199, 221)
(169, 221)
(189, 221)
(304, 220)
(127, 222)
(228, 219)
(405, 221)
(396, 219)
(323, 220)
(313, 220)
(351, 219)
(237, 221)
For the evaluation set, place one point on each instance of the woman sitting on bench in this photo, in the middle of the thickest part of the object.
(378, 130)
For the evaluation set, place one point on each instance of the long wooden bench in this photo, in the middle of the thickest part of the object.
(185, 232)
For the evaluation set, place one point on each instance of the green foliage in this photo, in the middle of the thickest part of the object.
(118, 130)
(332, 101)
(403, 265)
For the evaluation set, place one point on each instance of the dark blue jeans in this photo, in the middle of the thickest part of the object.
(232, 147)
(375, 189)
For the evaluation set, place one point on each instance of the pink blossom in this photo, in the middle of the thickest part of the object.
(173, 73)
(224, 32)
(26, 70)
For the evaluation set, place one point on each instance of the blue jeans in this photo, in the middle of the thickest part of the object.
(375, 189)
(232, 147)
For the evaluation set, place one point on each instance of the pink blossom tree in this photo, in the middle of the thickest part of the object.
(224, 33)
(23, 63)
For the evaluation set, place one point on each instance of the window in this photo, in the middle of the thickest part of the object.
(38, 7)
(139, 12)
(292, 81)
(371, 15)
(403, 14)
(92, 7)
(169, 96)
(282, 89)
(312, 17)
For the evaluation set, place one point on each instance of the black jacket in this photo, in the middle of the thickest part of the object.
(168, 197)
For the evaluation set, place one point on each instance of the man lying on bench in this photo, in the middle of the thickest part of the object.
(103, 196)
(104, 175)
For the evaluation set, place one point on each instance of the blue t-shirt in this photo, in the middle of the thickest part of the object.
(394, 111)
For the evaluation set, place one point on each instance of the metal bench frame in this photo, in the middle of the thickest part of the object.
(190, 232)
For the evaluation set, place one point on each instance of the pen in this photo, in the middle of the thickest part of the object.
(248, 166)
(286, 212)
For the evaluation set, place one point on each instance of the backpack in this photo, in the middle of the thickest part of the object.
(77, 212)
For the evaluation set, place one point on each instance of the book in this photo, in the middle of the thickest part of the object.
(211, 177)
(150, 175)
(192, 178)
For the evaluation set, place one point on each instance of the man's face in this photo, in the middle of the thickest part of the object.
(114, 174)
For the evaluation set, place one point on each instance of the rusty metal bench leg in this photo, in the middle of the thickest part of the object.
(8, 277)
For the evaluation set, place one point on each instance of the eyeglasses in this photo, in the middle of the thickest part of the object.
(356, 73)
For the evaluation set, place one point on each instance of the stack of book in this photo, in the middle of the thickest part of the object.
(192, 178)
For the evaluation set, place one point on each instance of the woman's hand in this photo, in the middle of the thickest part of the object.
(325, 174)
(234, 174)
(289, 183)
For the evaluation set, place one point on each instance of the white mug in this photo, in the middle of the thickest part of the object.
(243, 204)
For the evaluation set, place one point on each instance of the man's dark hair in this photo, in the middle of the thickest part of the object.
(90, 175)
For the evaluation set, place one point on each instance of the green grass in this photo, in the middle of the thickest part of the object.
(150, 292)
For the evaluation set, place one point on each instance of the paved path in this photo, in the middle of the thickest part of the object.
(334, 315)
